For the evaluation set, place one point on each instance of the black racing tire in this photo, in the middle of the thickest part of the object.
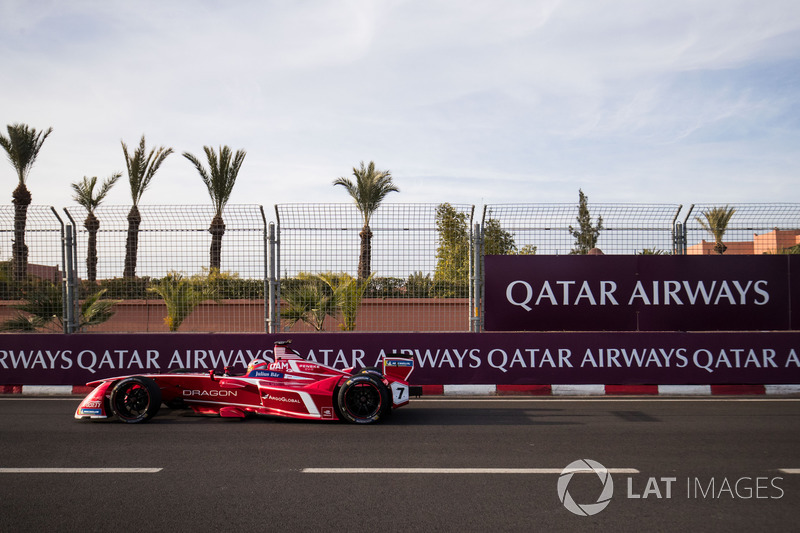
(363, 399)
(135, 400)
(377, 373)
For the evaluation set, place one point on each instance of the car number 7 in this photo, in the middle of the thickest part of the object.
(400, 392)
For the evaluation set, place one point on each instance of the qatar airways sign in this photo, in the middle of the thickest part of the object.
(617, 357)
(639, 293)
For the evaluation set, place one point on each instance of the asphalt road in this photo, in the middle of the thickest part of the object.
(707, 464)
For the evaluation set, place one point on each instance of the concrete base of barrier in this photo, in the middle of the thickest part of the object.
(508, 390)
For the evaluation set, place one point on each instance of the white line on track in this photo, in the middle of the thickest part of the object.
(789, 470)
(79, 470)
(461, 471)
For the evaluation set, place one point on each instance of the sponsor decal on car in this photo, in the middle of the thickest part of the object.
(214, 393)
(91, 411)
(399, 362)
(272, 398)
(266, 374)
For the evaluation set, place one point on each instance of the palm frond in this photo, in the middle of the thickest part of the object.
(96, 310)
(22, 147)
(142, 168)
(370, 188)
(22, 323)
(181, 296)
(310, 301)
(223, 169)
(84, 191)
(347, 295)
(716, 220)
(42, 309)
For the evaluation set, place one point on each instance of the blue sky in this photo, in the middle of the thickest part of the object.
(478, 102)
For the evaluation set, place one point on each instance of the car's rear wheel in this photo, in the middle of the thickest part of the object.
(135, 399)
(362, 399)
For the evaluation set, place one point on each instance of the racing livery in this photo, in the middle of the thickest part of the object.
(290, 386)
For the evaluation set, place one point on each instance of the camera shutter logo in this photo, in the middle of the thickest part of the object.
(586, 509)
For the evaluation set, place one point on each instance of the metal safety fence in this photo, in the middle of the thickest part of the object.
(32, 266)
(416, 267)
(154, 276)
(556, 229)
(741, 229)
(408, 270)
(172, 238)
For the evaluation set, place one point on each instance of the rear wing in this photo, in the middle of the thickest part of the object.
(283, 352)
(397, 367)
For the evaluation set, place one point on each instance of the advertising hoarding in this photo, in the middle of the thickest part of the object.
(440, 358)
(639, 293)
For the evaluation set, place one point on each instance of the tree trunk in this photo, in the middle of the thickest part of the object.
(19, 251)
(365, 257)
(720, 247)
(92, 225)
(217, 230)
(132, 243)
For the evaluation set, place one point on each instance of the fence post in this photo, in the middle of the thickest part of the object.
(476, 278)
(678, 239)
(267, 279)
(73, 296)
(277, 266)
(65, 301)
(273, 284)
(676, 233)
(76, 293)
(681, 231)
(70, 292)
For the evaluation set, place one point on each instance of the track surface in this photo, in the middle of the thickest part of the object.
(211, 474)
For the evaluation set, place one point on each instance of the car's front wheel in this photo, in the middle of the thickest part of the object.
(135, 399)
(362, 399)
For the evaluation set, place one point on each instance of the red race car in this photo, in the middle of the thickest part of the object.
(290, 386)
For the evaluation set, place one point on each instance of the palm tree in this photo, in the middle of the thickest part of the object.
(182, 296)
(347, 295)
(368, 191)
(219, 179)
(41, 309)
(716, 223)
(141, 170)
(84, 195)
(309, 300)
(22, 146)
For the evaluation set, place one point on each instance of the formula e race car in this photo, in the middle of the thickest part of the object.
(290, 386)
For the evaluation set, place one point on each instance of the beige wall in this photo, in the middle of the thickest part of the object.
(768, 243)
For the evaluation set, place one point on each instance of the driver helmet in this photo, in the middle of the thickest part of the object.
(256, 364)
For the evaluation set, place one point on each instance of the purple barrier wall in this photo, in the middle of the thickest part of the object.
(641, 293)
(441, 358)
